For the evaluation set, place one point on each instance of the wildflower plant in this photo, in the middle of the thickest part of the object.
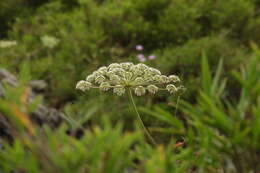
(128, 78)
(141, 57)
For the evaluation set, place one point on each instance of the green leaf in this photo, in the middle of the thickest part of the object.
(215, 86)
(206, 77)
(164, 116)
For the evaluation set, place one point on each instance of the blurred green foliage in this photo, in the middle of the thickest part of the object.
(215, 135)
(207, 43)
(94, 33)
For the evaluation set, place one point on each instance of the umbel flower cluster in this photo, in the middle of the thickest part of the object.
(120, 77)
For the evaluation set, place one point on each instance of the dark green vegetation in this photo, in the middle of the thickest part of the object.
(211, 45)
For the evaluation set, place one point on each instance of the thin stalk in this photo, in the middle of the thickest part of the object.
(176, 107)
(130, 95)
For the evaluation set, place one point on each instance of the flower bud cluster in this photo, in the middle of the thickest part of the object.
(123, 76)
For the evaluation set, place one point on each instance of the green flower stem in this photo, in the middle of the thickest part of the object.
(130, 95)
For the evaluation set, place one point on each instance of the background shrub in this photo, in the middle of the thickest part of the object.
(63, 41)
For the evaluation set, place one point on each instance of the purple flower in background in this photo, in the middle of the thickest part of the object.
(139, 47)
(151, 57)
(141, 58)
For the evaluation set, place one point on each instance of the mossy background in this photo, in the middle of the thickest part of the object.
(94, 33)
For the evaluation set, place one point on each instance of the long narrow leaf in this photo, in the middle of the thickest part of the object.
(205, 72)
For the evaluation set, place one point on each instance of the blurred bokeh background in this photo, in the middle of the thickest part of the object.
(49, 45)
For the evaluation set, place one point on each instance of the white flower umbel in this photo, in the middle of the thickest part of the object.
(128, 77)
(140, 90)
(171, 88)
(119, 90)
(139, 78)
(152, 89)
(83, 85)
